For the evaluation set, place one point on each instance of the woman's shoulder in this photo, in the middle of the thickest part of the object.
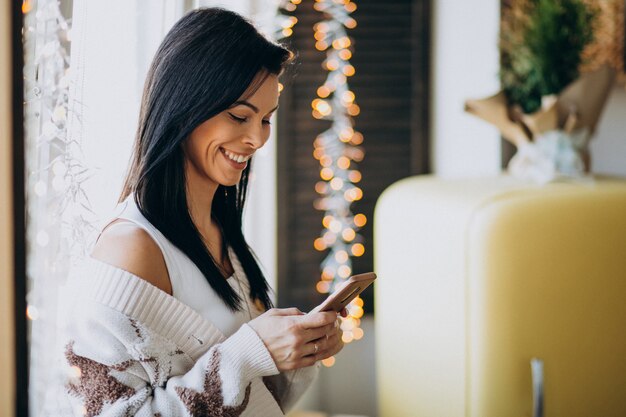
(128, 246)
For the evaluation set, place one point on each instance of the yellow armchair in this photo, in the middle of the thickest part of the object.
(479, 276)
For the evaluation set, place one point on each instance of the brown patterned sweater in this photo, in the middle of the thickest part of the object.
(130, 349)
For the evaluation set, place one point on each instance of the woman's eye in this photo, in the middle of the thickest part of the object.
(237, 119)
(266, 122)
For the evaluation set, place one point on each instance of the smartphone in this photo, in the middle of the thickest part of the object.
(346, 292)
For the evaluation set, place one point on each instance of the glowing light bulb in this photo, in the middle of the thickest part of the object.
(332, 64)
(357, 249)
(323, 91)
(341, 256)
(328, 362)
(357, 333)
(357, 138)
(324, 108)
(343, 162)
(326, 221)
(349, 70)
(326, 174)
(348, 234)
(345, 54)
(357, 154)
(322, 286)
(329, 271)
(358, 312)
(354, 110)
(321, 45)
(346, 324)
(318, 153)
(335, 226)
(360, 220)
(348, 195)
(354, 176)
(346, 134)
(326, 161)
(344, 271)
(320, 204)
(26, 6)
(350, 23)
(287, 32)
(348, 96)
(32, 312)
(336, 183)
(319, 244)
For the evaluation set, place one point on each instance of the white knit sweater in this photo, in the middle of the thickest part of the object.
(129, 348)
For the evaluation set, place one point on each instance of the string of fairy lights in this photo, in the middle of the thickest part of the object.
(337, 150)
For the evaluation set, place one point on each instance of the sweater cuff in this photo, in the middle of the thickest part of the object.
(246, 349)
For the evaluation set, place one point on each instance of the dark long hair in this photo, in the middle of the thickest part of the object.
(209, 58)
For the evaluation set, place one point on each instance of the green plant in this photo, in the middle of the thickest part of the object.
(541, 45)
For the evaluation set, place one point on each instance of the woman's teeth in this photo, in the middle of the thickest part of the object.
(235, 157)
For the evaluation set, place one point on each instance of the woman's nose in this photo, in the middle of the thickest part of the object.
(255, 138)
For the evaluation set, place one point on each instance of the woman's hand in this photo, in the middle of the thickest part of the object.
(295, 339)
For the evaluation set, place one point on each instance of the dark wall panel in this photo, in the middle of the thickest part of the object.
(386, 44)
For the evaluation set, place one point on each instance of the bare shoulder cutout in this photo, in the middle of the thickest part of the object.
(131, 248)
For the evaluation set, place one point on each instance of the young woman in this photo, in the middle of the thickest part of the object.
(170, 315)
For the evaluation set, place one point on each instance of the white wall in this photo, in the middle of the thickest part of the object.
(348, 388)
(464, 65)
(108, 71)
(608, 147)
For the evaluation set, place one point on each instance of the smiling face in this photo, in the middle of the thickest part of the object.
(217, 150)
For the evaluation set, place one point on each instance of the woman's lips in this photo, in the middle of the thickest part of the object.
(234, 164)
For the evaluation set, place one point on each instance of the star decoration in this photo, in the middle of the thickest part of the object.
(96, 385)
(210, 402)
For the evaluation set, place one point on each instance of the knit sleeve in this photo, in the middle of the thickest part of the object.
(122, 368)
(130, 349)
(288, 387)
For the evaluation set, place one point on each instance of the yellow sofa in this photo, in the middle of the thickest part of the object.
(479, 276)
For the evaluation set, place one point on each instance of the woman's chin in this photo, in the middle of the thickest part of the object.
(229, 182)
